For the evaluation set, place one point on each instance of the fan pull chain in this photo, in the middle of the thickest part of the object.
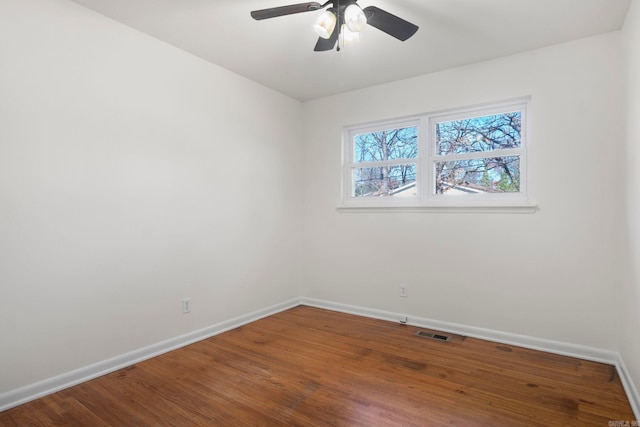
(340, 14)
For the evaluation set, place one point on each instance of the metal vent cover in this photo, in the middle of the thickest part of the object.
(431, 335)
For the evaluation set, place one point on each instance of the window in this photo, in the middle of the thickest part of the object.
(472, 157)
(384, 160)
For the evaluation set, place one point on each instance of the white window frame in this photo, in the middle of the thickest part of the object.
(350, 163)
(426, 199)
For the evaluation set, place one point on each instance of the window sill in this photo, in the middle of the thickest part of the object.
(492, 209)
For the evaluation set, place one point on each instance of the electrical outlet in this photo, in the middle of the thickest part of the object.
(186, 305)
(404, 291)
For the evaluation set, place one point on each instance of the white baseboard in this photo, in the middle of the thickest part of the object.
(556, 347)
(629, 387)
(51, 385)
(549, 346)
(34, 391)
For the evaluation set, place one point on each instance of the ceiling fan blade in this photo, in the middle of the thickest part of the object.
(327, 44)
(389, 23)
(285, 10)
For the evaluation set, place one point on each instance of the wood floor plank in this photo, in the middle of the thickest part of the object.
(312, 367)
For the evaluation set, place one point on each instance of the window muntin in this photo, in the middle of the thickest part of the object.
(465, 157)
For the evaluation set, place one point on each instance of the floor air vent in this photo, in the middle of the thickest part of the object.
(432, 336)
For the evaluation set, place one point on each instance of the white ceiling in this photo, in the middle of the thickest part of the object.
(278, 52)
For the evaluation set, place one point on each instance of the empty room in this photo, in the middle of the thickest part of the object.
(371, 212)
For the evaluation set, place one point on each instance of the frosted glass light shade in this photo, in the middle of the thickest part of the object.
(354, 18)
(325, 24)
(347, 36)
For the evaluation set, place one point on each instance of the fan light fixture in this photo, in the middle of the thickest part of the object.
(349, 19)
(353, 21)
(347, 36)
(326, 23)
(354, 18)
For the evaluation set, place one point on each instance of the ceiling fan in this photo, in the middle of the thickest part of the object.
(342, 21)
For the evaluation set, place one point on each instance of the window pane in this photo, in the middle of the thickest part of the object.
(486, 133)
(388, 144)
(396, 181)
(490, 175)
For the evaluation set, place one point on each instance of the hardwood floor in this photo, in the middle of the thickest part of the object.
(312, 367)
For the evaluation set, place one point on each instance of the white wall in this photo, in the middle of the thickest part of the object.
(552, 274)
(630, 303)
(132, 175)
(120, 195)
